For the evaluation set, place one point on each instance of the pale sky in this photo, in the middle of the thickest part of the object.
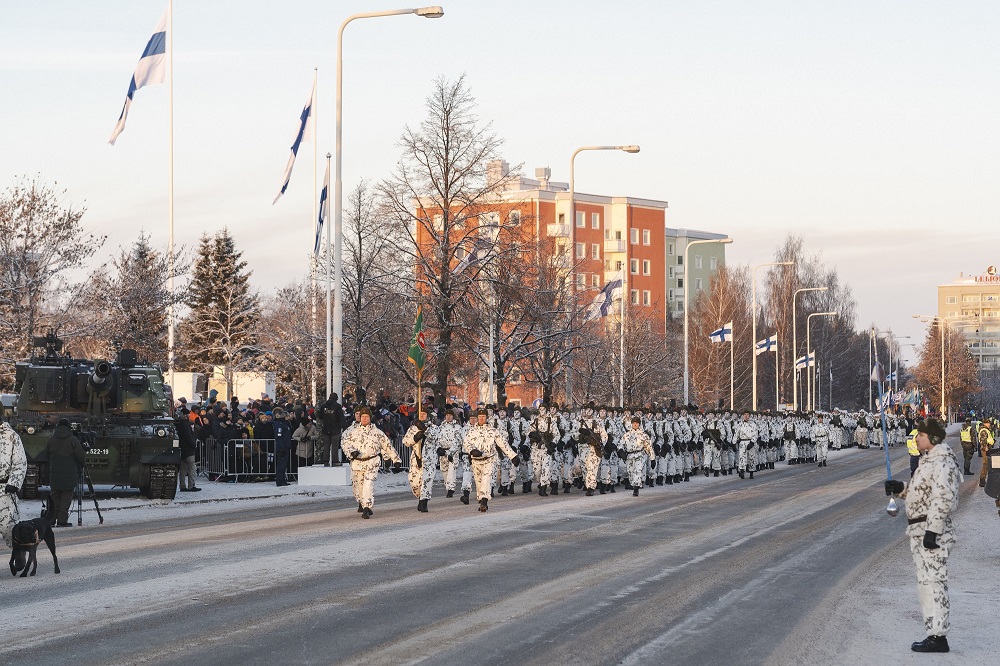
(868, 127)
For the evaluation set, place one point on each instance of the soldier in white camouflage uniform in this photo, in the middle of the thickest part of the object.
(13, 468)
(591, 429)
(421, 474)
(638, 449)
(481, 444)
(365, 446)
(746, 446)
(545, 431)
(931, 499)
(446, 438)
(822, 435)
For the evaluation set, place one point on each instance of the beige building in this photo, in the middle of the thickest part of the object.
(971, 304)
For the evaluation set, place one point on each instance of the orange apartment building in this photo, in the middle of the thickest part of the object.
(608, 234)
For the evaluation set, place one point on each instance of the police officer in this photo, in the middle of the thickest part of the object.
(911, 447)
(931, 499)
(968, 445)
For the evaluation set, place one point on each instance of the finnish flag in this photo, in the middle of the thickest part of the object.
(152, 68)
(724, 334)
(766, 345)
(601, 304)
(324, 207)
(477, 254)
(304, 133)
(803, 361)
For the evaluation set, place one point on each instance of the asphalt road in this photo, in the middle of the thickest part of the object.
(717, 571)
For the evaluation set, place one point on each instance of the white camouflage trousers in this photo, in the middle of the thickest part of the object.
(635, 463)
(541, 463)
(746, 456)
(9, 516)
(482, 471)
(932, 579)
(421, 478)
(363, 475)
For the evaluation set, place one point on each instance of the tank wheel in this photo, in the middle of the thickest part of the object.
(162, 482)
(30, 488)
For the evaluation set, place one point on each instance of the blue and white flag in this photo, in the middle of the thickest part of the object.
(766, 345)
(152, 68)
(891, 377)
(304, 133)
(324, 207)
(724, 334)
(802, 361)
(601, 304)
(479, 252)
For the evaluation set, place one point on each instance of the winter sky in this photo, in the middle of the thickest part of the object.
(868, 127)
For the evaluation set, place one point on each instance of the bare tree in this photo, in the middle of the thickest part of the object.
(960, 370)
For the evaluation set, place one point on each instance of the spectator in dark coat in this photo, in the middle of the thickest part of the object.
(189, 448)
(66, 459)
(283, 444)
(332, 417)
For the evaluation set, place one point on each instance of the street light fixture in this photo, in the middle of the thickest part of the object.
(631, 148)
(753, 339)
(795, 347)
(687, 303)
(811, 374)
(335, 337)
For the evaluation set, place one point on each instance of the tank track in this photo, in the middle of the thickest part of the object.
(162, 482)
(30, 488)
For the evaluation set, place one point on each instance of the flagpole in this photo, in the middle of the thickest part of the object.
(170, 196)
(777, 393)
(732, 371)
(315, 221)
(621, 341)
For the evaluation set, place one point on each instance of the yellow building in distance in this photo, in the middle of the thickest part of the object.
(971, 304)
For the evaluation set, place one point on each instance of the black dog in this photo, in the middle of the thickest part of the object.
(26, 536)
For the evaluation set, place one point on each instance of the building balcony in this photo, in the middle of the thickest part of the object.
(556, 230)
(614, 245)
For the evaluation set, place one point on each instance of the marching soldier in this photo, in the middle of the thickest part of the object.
(746, 446)
(481, 444)
(447, 439)
(637, 450)
(421, 474)
(821, 433)
(364, 445)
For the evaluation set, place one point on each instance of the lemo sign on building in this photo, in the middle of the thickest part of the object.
(989, 276)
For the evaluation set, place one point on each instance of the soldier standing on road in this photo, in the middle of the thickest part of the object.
(746, 446)
(931, 499)
(421, 474)
(13, 468)
(481, 444)
(821, 433)
(447, 438)
(364, 444)
(637, 450)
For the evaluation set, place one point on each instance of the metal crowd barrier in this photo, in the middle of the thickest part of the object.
(241, 460)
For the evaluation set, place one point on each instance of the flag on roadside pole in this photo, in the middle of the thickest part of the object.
(723, 334)
(802, 362)
(480, 249)
(304, 133)
(878, 375)
(324, 207)
(418, 345)
(601, 304)
(151, 69)
(766, 345)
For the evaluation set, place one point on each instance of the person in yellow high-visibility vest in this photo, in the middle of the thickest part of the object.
(985, 444)
(911, 447)
(968, 445)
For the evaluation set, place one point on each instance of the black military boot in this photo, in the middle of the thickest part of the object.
(687, 476)
(601, 488)
(611, 487)
(742, 475)
(423, 506)
(503, 491)
(529, 486)
(450, 493)
(659, 480)
(635, 491)
(716, 475)
(567, 486)
(578, 482)
(678, 478)
(366, 514)
(541, 490)
(524, 487)
(670, 480)
(361, 509)
(932, 644)
(968, 472)
(649, 481)
(590, 492)
(483, 505)
(554, 487)
(824, 463)
(628, 484)
(464, 499)
(751, 474)
(510, 489)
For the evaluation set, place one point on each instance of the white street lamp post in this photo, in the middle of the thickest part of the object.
(687, 304)
(334, 338)
(572, 241)
(795, 347)
(753, 337)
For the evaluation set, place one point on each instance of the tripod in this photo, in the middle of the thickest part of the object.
(85, 478)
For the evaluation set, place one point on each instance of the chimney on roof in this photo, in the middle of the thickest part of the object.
(544, 175)
(496, 170)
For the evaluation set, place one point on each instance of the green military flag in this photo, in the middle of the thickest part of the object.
(417, 355)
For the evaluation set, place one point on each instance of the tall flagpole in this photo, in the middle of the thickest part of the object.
(315, 221)
(732, 370)
(777, 392)
(170, 195)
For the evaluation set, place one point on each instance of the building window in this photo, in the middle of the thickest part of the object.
(635, 297)
(670, 295)
(581, 279)
(713, 263)
(670, 249)
(697, 261)
(595, 220)
(697, 284)
(580, 216)
(680, 259)
(645, 266)
(595, 280)
(970, 298)
(645, 236)
(633, 236)
(633, 266)
(951, 300)
(670, 272)
(595, 251)
(618, 265)
(581, 250)
(680, 283)
(515, 217)
(645, 297)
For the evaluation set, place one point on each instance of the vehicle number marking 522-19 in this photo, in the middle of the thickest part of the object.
(99, 452)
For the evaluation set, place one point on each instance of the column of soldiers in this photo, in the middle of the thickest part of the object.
(598, 449)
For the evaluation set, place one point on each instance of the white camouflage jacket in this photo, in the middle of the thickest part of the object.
(486, 440)
(13, 462)
(368, 441)
(933, 491)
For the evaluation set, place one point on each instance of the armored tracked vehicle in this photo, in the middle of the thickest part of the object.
(119, 410)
